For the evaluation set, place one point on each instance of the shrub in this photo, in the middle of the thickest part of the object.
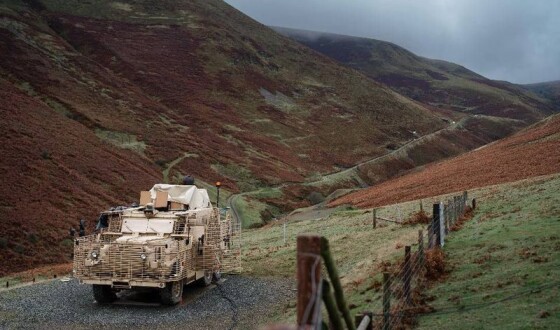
(266, 215)
(315, 197)
(67, 242)
(46, 154)
(32, 238)
(435, 264)
(417, 218)
(255, 225)
(19, 249)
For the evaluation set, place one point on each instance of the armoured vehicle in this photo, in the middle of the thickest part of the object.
(173, 238)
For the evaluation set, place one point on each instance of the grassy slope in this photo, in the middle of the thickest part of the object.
(358, 250)
(513, 233)
(438, 83)
(511, 246)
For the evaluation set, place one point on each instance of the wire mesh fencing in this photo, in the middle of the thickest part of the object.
(404, 282)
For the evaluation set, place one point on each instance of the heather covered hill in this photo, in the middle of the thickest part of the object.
(200, 83)
(102, 99)
(435, 83)
(532, 152)
(54, 172)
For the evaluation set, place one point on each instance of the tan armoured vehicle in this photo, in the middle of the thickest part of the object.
(175, 237)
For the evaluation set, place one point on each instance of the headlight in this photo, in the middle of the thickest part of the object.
(143, 256)
(94, 255)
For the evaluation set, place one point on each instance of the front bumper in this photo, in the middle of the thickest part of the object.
(123, 265)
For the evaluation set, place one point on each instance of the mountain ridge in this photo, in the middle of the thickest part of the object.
(433, 82)
(99, 107)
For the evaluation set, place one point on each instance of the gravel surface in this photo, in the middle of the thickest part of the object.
(239, 302)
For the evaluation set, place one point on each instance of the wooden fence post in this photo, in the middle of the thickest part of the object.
(421, 248)
(374, 220)
(407, 275)
(442, 224)
(337, 286)
(474, 203)
(436, 225)
(421, 206)
(309, 278)
(386, 301)
(330, 305)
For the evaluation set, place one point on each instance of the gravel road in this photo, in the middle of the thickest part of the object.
(239, 302)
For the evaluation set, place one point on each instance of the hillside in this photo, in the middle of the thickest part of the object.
(54, 172)
(436, 83)
(532, 152)
(548, 90)
(103, 99)
(501, 267)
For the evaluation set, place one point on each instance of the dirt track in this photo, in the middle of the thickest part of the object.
(238, 303)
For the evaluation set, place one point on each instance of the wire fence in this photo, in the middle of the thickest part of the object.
(407, 279)
(403, 281)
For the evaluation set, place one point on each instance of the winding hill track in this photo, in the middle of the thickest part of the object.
(352, 172)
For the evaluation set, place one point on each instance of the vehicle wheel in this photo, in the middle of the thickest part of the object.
(172, 293)
(217, 276)
(104, 294)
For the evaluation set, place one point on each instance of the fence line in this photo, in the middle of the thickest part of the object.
(409, 274)
(401, 284)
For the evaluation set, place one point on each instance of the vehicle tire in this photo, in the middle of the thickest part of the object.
(172, 293)
(104, 294)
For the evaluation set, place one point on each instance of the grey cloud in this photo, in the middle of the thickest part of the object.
(514, 40)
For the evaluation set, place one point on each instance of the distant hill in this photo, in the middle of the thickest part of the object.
(547, 90)
(435, 83)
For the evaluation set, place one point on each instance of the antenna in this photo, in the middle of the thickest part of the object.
(218, 185)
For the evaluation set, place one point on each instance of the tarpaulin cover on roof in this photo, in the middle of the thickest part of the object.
(192, 196)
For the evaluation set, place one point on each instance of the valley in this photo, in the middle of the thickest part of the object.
(353, 139)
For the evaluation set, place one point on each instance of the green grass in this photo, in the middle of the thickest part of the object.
(249, 210)
(357, 248)
(268, 192)
(121, 140)
(511, 246)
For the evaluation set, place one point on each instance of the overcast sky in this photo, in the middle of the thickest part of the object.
(514, 40)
